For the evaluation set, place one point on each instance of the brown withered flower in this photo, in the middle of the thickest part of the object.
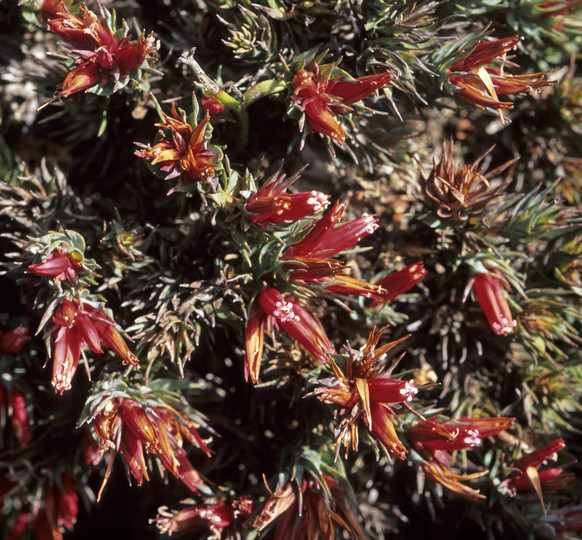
(460, 191)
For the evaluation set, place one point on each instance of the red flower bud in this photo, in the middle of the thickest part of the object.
(13, 341)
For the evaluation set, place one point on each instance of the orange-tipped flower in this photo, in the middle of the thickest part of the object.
(434, 440)
(126, 426)
(322, 98)
(363, 392)
(76, 326)
(482, 85)
(183, 153)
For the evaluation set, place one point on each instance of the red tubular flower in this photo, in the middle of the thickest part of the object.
(189, 476)
(272, 204)
(538, 456)
(382, 427)
(137, 420)
(223, 519)
(321, 119)
(481, 85)
(431, 436)
(183, 154)
(130, 55)
(110, 335)
(19, 416)
(272, 309)
(287, 313)
(310, 257)
(61, 506)
(326, 238)
(549, 479)
(398, 283)
(433, 441)
(322, 97)
(382, 389)
(351, 92)
(75, 327)
(527, 478)
(59, 264)
(131, 449)
(491, 297)
(14, 340)
(67, 502)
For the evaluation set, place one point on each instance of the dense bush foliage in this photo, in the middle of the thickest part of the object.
(290, 269)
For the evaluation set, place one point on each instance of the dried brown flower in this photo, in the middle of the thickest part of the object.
(460, 191)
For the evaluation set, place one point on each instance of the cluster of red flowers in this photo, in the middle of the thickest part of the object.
(75, 324)
(124, 425)
(309, 263)
(101, 56)
(362, 389)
